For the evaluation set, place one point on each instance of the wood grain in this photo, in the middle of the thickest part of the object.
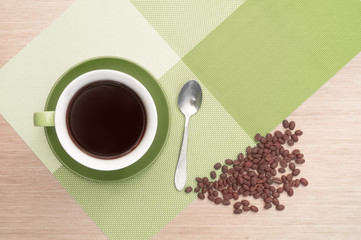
(330, 207)
(23, 20)
(33, 205)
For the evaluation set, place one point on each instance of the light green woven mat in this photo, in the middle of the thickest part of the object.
(256, 62)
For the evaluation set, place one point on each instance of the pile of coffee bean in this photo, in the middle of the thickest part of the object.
(265, 171)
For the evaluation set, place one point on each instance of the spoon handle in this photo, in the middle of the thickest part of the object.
(181, 172)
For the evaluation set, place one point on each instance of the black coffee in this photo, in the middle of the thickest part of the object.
(106, 119)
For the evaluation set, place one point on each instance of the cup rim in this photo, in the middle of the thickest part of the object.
(79, 155)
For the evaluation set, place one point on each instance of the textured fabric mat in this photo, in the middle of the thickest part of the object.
(256, 61)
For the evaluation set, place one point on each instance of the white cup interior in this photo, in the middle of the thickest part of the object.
(90, 161)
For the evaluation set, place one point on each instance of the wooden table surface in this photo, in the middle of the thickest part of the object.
(329, 208)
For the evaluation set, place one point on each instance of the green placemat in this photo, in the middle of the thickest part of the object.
(256, 61)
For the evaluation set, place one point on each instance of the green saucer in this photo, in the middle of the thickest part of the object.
(149, 82)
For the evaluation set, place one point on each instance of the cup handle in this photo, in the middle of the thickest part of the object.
(44, 119)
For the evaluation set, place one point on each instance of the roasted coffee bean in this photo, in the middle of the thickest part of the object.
(297, 182)
(292, 156)
(236, 162)
(304, 182)
(198, 179)
(223, 176)
(205, 180)
(290, 192)
(245, 202)
(281, 170)
(274, 165)
(285, 124)
(218, 200)
(226, 202)
(229, 182)
(285, 153)
(278, 134)
(298, 132)
(280, 207)
(290, 142)
(292, 125)
(217, 166)
(231, 171)
(235, 186)
(263, 140)
(224, 169)
(268, 200)
(253, 208)
(188, 189)
(213, 175)
(267, 206)
(248, 164)
(292, 183)
(286, 187)
(211, 198)
(240, 156)
(275, 201)
(228, 196)
(275, 195)
(200, 184)
(280, 190)
(283, 163)
(257, 195)
(204, 190)
(261, 146)
(257, 137)
(292, 166)
(235, 195)
(249, 150)
(285, 136)
(254, 166)
(288, 133)
(253, 181)
(296, 172)
(296, 151)
(228, 161)
(237, 205)
(300, 161)
(237, 211)
(245, 187)
(294, 138)
(289, 177)
(269, 137)
(201, 196)
(277, 180)
(215, 193)
(255, 150)
(197, 189)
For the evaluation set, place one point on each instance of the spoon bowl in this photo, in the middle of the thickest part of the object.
(190, 98)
